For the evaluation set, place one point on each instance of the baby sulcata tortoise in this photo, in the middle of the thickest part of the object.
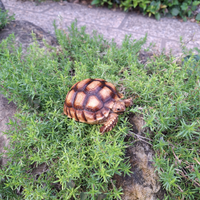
(95, 101)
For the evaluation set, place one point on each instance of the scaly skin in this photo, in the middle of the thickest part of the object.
(110, 123)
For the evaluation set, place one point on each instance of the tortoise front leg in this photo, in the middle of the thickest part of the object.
(110, 123)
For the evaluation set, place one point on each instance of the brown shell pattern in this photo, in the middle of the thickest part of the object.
(90, 100)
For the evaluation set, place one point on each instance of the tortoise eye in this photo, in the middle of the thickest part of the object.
(118, 109)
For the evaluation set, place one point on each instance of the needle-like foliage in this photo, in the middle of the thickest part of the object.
(79, 161)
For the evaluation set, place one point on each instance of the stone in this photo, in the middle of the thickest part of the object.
(23, 34)
(2, 6)
(143, 183)
(7, 111)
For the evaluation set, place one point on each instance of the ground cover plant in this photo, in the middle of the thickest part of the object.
(80, 162)
(5, 18)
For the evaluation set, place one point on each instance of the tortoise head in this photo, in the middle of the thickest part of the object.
(120, 105)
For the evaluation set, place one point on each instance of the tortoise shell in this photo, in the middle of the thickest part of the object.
(91, 101)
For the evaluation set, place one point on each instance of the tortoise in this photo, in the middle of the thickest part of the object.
(95, 101)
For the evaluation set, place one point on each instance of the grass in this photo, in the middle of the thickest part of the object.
(80, 162)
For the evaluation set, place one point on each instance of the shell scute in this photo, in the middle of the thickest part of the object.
(70, 98)
(80, 115)
(90, 116)
(113, 89)
(72, 113)
(94, 87)
(99, 79)
(109, 104)
(68, 112)
(111, 86)
(105, 111)
(93, 104)
(78, 102)
(80, 86)
(65, 109)
(99, 116)
(105, 94)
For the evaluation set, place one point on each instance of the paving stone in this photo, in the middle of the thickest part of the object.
(107, 32)
(42, 20)
(153, 44)
(165, 28)
(28, 5)
(173, 47)
(165, 33)
(98, 16)
(192, 40)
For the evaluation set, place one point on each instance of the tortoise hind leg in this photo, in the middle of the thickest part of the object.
(110, 123)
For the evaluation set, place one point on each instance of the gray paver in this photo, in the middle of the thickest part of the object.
(165, 33)
(84, 14)
(165, 28)
(40, 19)
(28, 5)
(173, 47)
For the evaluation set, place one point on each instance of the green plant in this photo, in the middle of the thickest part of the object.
(5, 18)
(80, 161)
(102, 2)
(182, 8)
(130, 3)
